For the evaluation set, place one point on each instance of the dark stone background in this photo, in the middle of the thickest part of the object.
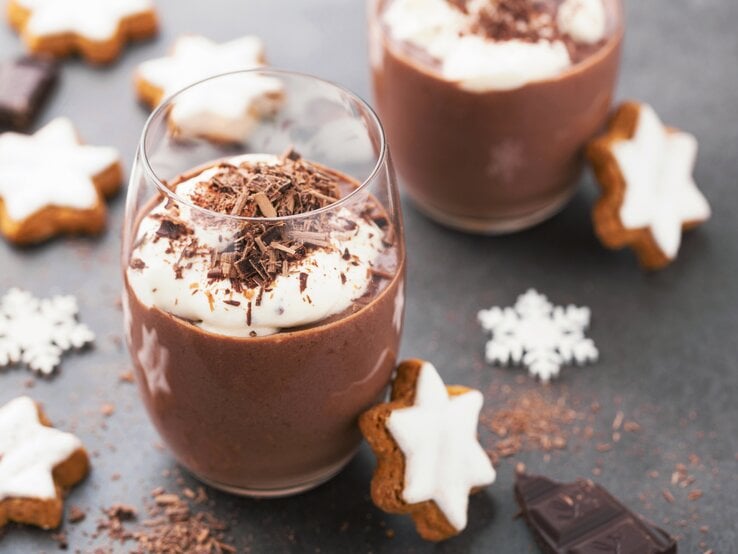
(667, 341)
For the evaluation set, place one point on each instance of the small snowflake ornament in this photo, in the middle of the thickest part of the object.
(36, 332)
(538, 335)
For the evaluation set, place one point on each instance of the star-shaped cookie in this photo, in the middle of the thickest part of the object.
(50, 183)
(223, 111)
(649, 194)
(93, 28)
(429, 457)
(37, 462)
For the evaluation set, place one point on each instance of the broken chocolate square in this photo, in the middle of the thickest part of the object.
(583, 518)
(25, 83)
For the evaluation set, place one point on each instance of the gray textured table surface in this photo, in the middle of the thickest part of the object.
(668, 341)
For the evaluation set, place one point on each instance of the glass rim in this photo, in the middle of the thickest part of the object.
(167, 102)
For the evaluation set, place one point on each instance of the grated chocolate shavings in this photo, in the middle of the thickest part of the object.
(172, 526)
(171, 229)
(460, 5)
(530, 422)
(524, 20)
(262, 251)
(137, 263)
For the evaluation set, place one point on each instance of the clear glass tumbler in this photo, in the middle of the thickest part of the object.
(264, 269)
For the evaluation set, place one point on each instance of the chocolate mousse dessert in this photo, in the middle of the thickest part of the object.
(264, 301)
(488, 103)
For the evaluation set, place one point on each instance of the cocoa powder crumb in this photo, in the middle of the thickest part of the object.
(530, 422)
(171, 528)
(61, 540)
(76, 514)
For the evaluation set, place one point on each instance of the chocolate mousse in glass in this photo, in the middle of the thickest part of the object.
(263, 279)
(488, 103)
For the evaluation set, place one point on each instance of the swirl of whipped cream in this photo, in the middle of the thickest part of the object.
(333, 283)
(479, 63)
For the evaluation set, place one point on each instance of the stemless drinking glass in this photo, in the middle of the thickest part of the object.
(255, 382)
(483, 156)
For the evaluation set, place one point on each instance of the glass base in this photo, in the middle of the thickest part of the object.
(311, 482)
(499, 225)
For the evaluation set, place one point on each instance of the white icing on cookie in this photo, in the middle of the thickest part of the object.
(29, 451)
(97, 20)
(227, 109)
(50, 168)
(660, 192)
(438, 436)
(194, 58)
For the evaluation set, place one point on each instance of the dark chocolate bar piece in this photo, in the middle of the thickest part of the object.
(583, 518)
(25, 84)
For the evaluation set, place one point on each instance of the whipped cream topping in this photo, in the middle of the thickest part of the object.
(325, 283)
(480, 63)
(583, 20)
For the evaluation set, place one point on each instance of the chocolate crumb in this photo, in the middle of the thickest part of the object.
(261, 251)
(515, 20)
(303, 281)
(61, 540)
(138, 263)
(76, 514)
(172, 230)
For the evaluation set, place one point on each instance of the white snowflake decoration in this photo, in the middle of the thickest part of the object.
(36, 332)
(538, 335)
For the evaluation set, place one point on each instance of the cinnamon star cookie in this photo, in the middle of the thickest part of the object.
(429, 457)
(649, 194)
(51, 184)
(96, 29)
(37, 463)
(223, 111)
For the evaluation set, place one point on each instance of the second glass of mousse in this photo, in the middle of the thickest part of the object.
(488, 103)
(264, 280)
